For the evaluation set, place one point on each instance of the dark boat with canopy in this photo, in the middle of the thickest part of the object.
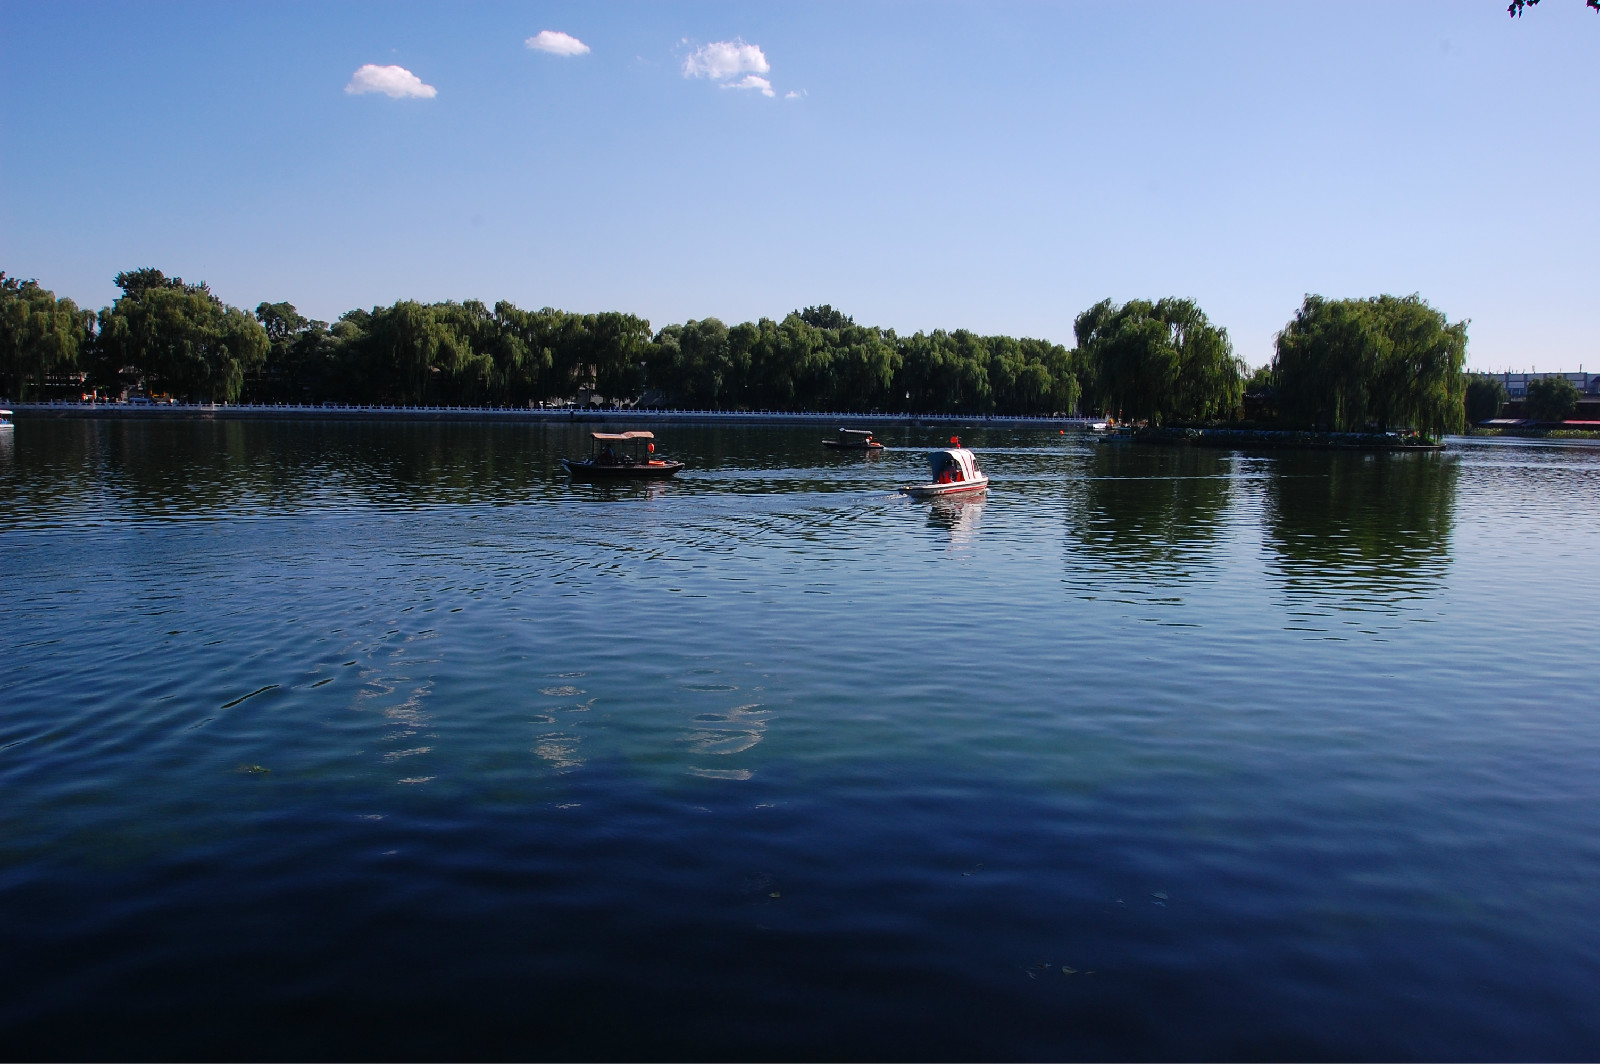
(621, 455)
(854, 440)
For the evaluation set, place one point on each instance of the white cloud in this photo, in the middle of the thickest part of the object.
(720, 60)
(556, 43)
(750, 81)
(793, 95)
(392, 81)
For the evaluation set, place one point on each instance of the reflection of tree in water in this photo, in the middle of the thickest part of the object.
(194, 466)
(1141, 507)
(1359, 534)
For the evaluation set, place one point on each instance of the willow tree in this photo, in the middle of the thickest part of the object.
(40, 336)
(1161, 361)
(946, 372)
(180, 338)
(696, 364)
(422, 353)
(1387, 362)
(301, 362)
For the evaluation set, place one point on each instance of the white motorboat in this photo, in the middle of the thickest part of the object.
(954, 470)
(5, 420)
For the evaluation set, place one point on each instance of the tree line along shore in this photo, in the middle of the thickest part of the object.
(1378, 364)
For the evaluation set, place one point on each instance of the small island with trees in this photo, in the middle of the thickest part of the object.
(1383, 371)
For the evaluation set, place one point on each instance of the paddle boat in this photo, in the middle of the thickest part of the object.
(854, 440)
(954, 470)
(621, 454)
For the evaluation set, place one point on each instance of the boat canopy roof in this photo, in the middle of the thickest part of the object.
(855, 432)
(623, 435)
(953, 458)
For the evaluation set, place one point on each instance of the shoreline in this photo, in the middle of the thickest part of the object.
(547, 416)
(1554, 433)
(1280, 439)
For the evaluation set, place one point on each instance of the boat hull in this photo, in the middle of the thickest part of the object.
(932, 491)
(836, 445)
(637, 471)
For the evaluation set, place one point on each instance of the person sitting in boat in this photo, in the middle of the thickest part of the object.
(607, 455)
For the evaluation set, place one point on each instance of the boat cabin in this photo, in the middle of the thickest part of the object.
(953, 465)
(621, 448)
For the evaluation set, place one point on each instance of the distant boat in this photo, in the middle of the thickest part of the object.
(954, 470)
(854, 440)
(621, 455)
(5, 420)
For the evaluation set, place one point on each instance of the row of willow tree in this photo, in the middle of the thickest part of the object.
(1343, 365)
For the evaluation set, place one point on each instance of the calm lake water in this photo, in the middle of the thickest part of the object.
(324, 739)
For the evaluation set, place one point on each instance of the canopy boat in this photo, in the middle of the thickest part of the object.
(955, 471)
(854, 440)
(5, 420)
(621, 454)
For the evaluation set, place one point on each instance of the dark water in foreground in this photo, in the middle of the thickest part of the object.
(354, 740)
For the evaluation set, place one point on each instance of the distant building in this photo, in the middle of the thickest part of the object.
(1517, 383)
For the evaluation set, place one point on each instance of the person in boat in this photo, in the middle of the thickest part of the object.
(608, 456)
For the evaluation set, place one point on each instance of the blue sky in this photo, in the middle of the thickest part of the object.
(998, 167)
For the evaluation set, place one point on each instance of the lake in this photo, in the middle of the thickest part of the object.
(384, 740)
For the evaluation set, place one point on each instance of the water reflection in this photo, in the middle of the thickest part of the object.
(958, 517)
(72, 469)
(1137, 507)
(618, 489)
(1359, 534)
(724, 734)
(186, 468)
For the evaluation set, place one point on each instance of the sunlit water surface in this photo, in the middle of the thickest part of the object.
(387, 741)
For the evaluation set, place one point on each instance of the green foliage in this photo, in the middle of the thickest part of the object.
(40, 337)
(300, 361)
(825, 317)
(1159, 361)
(1518, 6)
(1485, 396)
(1551, 399)
(179, 337)
(1385, 362)
(838, 365)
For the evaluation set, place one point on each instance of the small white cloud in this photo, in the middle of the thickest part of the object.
(556, 43)
(720, 60)
(793, 95)
(393, 81)
(750, 81)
